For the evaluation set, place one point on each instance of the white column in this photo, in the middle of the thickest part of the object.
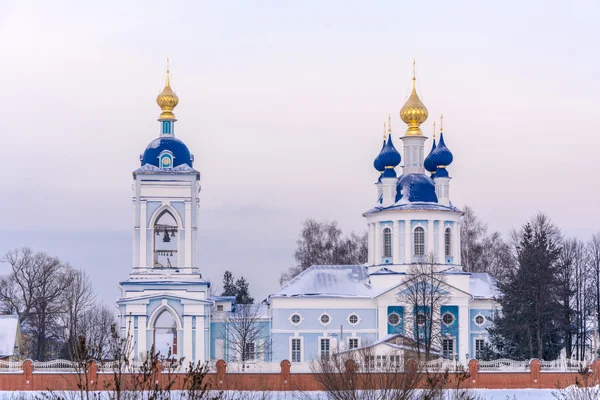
(463, 334)
(187, 337)
(371, 251)
(382, 321)
(456, 240)
(141, 339)
(441, 251)
(407, 242)
(143, 234)
(188, 234)
(430, 239)
(377, 243)
(396, 243)
(200, 351)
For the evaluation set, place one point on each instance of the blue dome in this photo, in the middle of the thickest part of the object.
(389, 173)
(417, 187)
(181, 154)
(389, 155)
(378, 163)
(428, 163)
(441, 155)
(441, 173)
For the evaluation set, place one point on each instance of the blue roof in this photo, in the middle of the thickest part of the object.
(180, 152)
(428, 163)
(378, 163)
(389, 173)
(441, 155)
(389, 155)
(417, 187)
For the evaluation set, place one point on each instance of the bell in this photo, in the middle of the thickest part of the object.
(173, 233)
(166, 237)
(157, 233)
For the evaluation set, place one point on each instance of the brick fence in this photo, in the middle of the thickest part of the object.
(286, 380)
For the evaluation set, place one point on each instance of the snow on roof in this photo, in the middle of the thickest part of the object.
(329, 280)
(483, 286)
(180, 169)
(8, 334)
(420, 205)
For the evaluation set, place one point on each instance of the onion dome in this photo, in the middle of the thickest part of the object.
(414, 112)
(167, 100)
(389, 156)
(428, 163)
(178, 151)
(416, 188)
(378, 163)
(441, 156)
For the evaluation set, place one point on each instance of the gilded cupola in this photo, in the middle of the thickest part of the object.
(414, 112)
(167, 100)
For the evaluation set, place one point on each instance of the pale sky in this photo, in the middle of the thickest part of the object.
(282, 104)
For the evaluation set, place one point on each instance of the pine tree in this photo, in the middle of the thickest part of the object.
(243, 292)
(229, 287)
(531, 323)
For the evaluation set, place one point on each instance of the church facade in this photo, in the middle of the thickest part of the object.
(413, 250)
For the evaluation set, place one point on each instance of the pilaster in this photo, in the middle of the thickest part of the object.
(407, 242)
(396, 242)
(463, 334)
(188, 234)
(441, 249)
(430, 239)
(141, 335)
(187, 337)
(371, 251)
(143, 235)
(377, 243)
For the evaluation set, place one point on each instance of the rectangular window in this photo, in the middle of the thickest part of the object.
(352, 343)
(448, 348)
(419, 241)
(447, 242)
(395, 362)
(296, 350)
(479, 346)
(325, 350)
(387, 242)
(220, 307)
(250, 351)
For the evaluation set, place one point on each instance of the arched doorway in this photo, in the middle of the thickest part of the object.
(165, 334)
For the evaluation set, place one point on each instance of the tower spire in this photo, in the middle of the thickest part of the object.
(384, 132)
(441, 123)
(433, 130)
(389, 124)
(168, 81)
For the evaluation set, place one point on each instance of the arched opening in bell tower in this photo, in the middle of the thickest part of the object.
(165, 334)
(165, 241)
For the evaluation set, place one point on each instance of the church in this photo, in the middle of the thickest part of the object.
(412, 226)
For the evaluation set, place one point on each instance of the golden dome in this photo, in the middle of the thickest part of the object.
(414, 112)
(167, 100)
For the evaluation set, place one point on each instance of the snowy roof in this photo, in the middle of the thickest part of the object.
(8, 334)
(483, 286)
(417, 205)
(329, 280)
(152, 169)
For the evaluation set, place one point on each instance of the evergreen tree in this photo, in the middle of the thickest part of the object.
(243, 292)
(531, 324)
(229, 287)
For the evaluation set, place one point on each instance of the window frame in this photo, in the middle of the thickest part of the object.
(330, 319)
(477, 323)
(396, 314)
(419, 314)
(477, 352)
(448, 242)
(323, 340)
(300, 340)
(250, 348)
(419, 241)
(353, 314)
(292, 321)
(445, 353)
(453, 318)
(387, 242)
(355, 339)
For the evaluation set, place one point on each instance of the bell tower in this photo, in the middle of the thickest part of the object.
(165, 300)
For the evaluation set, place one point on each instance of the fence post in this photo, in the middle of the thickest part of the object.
(411, 369)
(596, 369)
(92, 372)
(286, 367)
(534, 373)
(28, 372)
(221, 370)
(157, 372)
(474, 372)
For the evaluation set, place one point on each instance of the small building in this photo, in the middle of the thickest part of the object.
(10, 337)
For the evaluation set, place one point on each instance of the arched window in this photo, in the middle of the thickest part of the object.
(387, 242)
(165, 334)
(166, 161)
(447, 242)
(419, 236)
(165, 241)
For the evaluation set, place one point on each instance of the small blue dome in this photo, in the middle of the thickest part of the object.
(441, 155)
(428, 163)
(389, 173)
(181, 154)
(417, 187)
(389, 155)
(441, 173)
(378, 163)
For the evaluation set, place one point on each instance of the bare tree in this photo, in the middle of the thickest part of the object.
(248, 337)
(424, 294)
(324, 243)
(34, 290)
(77, 299)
